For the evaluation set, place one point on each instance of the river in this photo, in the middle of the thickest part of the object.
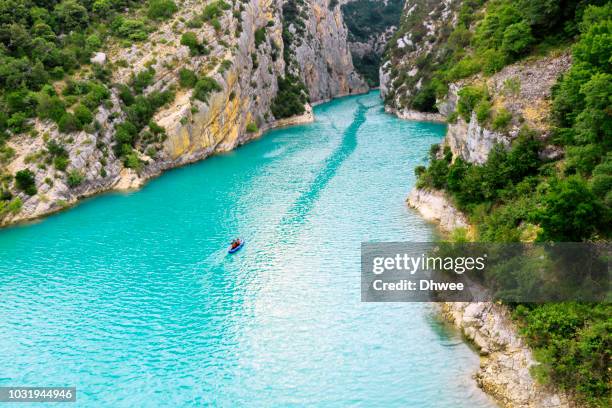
(133, 299)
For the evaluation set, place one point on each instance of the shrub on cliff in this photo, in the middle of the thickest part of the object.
(204, 87)
(132, 29)
(252, 127)
(82, 115)
(501, 119)
(260, 36)
(571, 212)
(74, 178)
(469, 98)
(24, 181)
(425, 100)
(187, 78)
(215, 10)
(161, 9)
(290, 99)
(190, 40)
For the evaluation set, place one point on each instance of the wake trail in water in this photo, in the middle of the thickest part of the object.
(296, 215)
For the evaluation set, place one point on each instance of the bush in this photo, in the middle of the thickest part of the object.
(161, 9)
(571, 341)
(425, 100)
(571, 212)
(68, 123)
(74, 178)
(493, 61)
(142, 80)
(133, 162)
(187, 78)
(290, 99)
(24, 181)
(469, 97)
(18, 122)
(135, 30)
(204, 87)
(190, 40)
(517, 37)
(83, 115)
(50, 107)
(214, 10)
(252, 127)
(483, 111)
(61, 163)
(501, 119)
(71, 15)
(260, 36)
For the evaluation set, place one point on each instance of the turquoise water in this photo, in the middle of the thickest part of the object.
(133, 299)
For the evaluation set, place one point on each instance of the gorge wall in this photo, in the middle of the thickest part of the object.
(247, 53)
(447, 63)
(371, 23)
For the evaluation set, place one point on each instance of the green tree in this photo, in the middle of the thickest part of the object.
(571, 211)
(24, 180)
(517, 37)
(71, 15)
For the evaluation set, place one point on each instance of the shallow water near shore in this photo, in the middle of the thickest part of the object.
(133, 299)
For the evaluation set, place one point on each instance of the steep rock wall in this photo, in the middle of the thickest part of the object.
(371, 24)
(322, 54)
(434, 206)
(416, 46)
(505, 358)
(246, 71)
(523, 89)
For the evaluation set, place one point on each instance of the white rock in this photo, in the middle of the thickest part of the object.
(98, 58)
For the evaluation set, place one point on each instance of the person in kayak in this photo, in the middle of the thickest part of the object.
(236, 243)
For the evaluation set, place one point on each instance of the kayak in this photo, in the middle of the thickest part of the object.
(232, 250)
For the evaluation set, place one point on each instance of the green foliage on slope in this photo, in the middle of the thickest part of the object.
(488, 35)
(518, 196)
(366, 20)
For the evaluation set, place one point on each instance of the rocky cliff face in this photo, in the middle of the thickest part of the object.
(434, 206)
(322, 56)
(246, 69)
(523, 90)
(506, 359)
(414, 49)
(371, 24)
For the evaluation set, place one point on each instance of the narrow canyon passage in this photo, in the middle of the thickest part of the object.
(133, 299)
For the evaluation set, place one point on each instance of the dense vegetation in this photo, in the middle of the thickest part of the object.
(292, 93)
(518, 196)
(291, 97)
(367, 20)
(43, 47)
(488, 36)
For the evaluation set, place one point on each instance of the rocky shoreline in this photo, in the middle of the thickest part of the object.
(434, 206)
(506, 359)
(129, 179)
(409, 114)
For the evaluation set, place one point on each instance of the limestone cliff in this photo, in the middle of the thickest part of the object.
(434, 206)
(416, 47)
(321, 51)
(371, 24)
(506, 359)
(245, 56)
(522, 90)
